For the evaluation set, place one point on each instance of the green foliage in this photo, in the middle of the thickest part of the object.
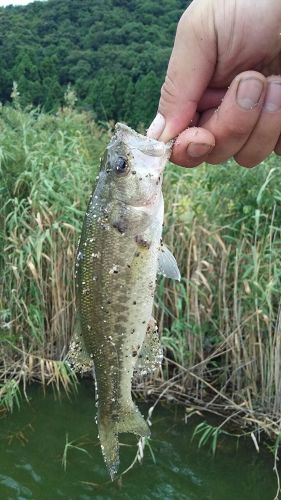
(10, 395)
(208, 434)
(220, 324)
(47, 167)
(71, 445)
(114, 53)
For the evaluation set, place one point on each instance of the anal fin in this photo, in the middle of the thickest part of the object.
(151, 354)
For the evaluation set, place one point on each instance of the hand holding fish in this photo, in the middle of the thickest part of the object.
(222, 93)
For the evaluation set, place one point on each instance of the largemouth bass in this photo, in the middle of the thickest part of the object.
(119, 253)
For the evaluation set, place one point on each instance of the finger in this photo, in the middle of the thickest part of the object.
(277, 148)
(190, 68)
(266, 133)
(195, 120)
(192, 147)
(235, 119)
(212, 98)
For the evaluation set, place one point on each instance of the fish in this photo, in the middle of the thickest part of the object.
(119, 254)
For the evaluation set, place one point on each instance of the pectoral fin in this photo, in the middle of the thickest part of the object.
(167, 264)
(151, 353)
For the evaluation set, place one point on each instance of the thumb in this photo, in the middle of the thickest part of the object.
(189, 71)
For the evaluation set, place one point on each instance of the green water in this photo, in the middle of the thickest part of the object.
(33, 441)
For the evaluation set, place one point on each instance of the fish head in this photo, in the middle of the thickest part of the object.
(133, 166)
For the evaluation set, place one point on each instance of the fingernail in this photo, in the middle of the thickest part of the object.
(195, 149)
(273, 97)
(157, 127)
(249, 92)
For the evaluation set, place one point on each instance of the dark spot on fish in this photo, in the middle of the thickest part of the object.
(134, 302)
(143, 322)
(137, 254)
(115, 271)
(108, 302)
(142, 242)
(128, 265)
(119, 307)
(122, 318)
(135, 353)
(133, 331)
(120, 226)
(133, 172)
(119, 329)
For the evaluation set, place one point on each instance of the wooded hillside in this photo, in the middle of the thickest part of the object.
(114, 52)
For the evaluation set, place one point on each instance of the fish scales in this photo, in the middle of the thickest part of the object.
(112, 330)
(116, 266)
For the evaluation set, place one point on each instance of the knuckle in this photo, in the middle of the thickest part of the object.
(227, 128)
(184, 21)
(237, 130)
(168, 90)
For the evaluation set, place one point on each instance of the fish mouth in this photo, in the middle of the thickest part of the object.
(148, 146)
(148, 202)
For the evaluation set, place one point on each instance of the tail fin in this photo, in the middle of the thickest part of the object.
(109, 446)
(129, 420)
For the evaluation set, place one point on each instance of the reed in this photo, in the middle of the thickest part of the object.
(222, 322)
(47, 166)
(220, 325)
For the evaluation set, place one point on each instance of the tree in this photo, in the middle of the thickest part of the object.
(113, 52)
(145, 99)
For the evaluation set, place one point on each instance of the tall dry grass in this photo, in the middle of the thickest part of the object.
(47, 167)
(222, 322)
(220, 325)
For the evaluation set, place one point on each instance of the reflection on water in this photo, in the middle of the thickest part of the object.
(33, 442)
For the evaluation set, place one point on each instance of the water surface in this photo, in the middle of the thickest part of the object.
(32, 443)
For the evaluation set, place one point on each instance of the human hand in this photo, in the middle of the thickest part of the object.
(224, 83)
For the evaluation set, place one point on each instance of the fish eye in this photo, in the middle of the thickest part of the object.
(121, 165)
